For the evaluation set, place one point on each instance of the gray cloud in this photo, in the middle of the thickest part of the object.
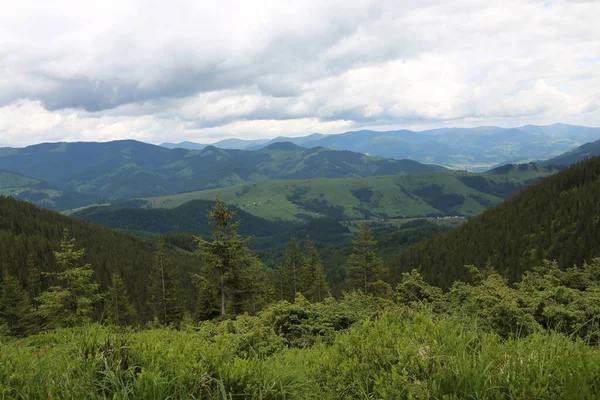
(189, 69)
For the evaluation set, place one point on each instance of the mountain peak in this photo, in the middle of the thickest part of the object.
(285, 146)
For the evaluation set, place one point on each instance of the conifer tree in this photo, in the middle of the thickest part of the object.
(228, 263)
(34, 277)
(290, 272)
(71, 303)
(15, 306)
(119, 309)
(364, 268)
(166, 294)
(317, 288)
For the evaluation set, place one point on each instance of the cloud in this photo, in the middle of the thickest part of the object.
(155, 71)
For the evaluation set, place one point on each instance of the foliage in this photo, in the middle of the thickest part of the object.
(72, 302)
(395, 353)
(166, 295)
(16, 310)
(290, 272)
(313, 274)
(118, 308)
(364, 268)
(229, 265)
(29, 235)
(556, 219)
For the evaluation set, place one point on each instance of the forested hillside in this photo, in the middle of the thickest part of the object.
(40, 193)
(127, 168)
(556, 219)
(191, 217)
(29, 235)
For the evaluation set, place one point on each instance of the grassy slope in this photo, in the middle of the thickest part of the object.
(269, 199)
(402, 196)
(401, 354)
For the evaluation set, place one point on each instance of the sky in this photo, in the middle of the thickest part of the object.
(209, 70)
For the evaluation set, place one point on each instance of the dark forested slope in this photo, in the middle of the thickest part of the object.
(191, 217)
(29, 234)
(558, 218)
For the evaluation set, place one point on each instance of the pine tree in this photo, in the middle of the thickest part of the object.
(119, 309)
(34, 277)
(228, 264)
(71, 303)
(16, 310)
(364, 268)
(317, 288)
(166, 293)
(290, 272)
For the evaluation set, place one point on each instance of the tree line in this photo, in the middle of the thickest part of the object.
(229, 280)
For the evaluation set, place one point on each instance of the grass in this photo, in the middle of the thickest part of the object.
(401, 354)
(393, 196)
(374, 198)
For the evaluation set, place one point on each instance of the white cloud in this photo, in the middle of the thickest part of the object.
(72, 70)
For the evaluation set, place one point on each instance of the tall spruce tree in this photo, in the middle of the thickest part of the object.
(16, 309)
(229, 265)
(34, 277)
(313, 276)
(166, 294)
(118, 308)
(290, 273)
(71, 303)
(364, 268)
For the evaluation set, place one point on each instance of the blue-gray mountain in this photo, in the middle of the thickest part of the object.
(587, 150)
(475, 149)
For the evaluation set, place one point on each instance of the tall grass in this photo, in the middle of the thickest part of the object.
(400, 354)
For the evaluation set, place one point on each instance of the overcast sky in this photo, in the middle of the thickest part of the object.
(208, 70)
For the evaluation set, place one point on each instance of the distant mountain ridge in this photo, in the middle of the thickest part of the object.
(235, 144)
(127, 168)
(580, 153)
(475, 149)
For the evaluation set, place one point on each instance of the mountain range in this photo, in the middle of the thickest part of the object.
(474, 149)
(281, 181)
(124, 169)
